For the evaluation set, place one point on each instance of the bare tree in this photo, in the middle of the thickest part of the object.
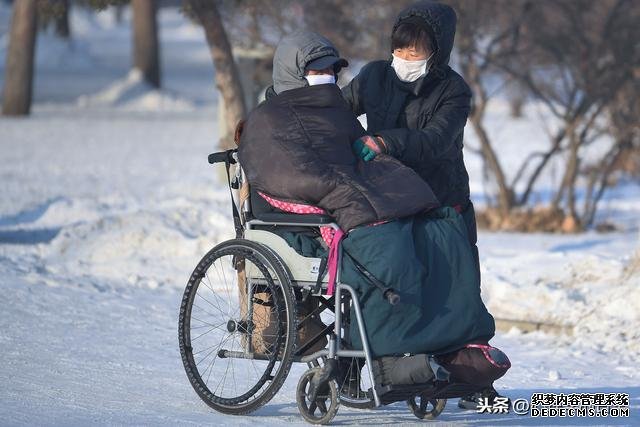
(56, 13)
(577, 67)
(488, 32)
(360, 29)
(18, 80)
(226, 76)
(63, 29)
(622, 126)
(583, 65)
(146, 51)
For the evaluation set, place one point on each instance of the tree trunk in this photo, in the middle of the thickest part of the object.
(18, 81)
(517, 97)
(489, 157)
(569, 178)
(574, 166)
(505, 194)
(119, 12)
(62, 22)
(146, 51)
(227, 78)
(556, 145)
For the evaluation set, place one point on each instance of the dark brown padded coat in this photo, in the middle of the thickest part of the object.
(296, 146)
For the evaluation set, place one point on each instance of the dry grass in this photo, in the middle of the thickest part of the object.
(633, 267)
(538, 219)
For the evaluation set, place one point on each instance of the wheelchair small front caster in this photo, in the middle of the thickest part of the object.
(322, 408)
(426, 408)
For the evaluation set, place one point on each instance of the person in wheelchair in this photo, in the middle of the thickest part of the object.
(296, 147)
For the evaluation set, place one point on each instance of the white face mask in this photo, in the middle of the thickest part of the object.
(409, 71)
(320, 79)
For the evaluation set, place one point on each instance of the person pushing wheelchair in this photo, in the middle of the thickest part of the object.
(304, 145)
(416, 108)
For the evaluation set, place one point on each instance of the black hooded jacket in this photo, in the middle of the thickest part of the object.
(421, 122)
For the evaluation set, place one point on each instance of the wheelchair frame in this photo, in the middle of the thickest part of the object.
(302, 280)
(303, 274)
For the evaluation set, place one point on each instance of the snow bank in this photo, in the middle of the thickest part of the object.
(111, 201)
(583, 283)
(132, 93)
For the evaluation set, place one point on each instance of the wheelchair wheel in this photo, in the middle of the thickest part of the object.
(426, 408)
(324, 407)
(352, 383)
(237, 327)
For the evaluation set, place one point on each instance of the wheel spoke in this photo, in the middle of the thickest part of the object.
(203, 310)
(213, 351)
(226, 287)
(204, 349)
(205, 323)
(215, 294)
(213, 328)
(322, 406)
(233, 372)
(209, 286)
(423, 404)
(208, 354)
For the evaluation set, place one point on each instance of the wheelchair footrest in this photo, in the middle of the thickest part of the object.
(438, 390)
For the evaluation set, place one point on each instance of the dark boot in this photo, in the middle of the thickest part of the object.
(402, 370)
(472, 401)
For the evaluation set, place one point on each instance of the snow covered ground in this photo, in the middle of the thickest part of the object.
(108, 203)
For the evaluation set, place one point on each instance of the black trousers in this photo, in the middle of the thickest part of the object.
(469, 217)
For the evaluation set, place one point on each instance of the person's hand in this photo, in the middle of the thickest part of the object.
(368, 147)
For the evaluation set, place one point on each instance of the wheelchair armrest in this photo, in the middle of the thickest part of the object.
(288, 218)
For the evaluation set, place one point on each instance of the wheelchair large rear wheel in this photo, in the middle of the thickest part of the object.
(237, 327)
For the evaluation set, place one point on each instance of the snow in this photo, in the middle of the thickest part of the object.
(133, 94)
(108, 203)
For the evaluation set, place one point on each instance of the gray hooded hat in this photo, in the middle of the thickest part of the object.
(295, 52)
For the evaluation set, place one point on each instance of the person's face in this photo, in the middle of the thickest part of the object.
(413, 53)
(325, 71)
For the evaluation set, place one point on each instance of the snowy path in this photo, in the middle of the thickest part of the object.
(77, 356)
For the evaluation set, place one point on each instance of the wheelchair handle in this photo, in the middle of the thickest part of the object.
(223, 157)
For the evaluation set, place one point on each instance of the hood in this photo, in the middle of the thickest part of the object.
(442, 21)
(293, 53)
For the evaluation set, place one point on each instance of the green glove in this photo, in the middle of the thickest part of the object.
(362, 150)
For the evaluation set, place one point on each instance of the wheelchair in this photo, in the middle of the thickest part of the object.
(246, 305)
